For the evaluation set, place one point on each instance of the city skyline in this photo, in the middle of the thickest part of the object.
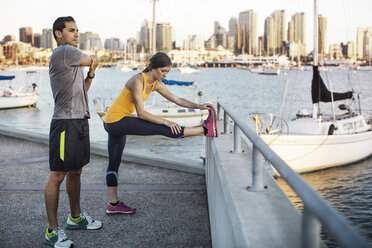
(123, 19)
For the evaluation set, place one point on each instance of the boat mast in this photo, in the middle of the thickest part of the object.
(315, 53)
(153, 28)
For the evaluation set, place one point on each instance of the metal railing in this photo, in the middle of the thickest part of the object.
(316, 212)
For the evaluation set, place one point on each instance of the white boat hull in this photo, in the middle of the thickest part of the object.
(180, 115)
(188, 70)
(306, 153)
(22, 100)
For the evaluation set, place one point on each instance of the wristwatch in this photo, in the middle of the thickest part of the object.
(88, 76)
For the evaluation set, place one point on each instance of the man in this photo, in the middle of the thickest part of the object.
(69, 148)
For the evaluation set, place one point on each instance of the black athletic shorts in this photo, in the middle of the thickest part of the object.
(69, 147)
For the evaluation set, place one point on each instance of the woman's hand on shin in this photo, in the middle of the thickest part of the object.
(175, 128)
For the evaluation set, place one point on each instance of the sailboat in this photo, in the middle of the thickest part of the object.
(23, 96)
(317, 141)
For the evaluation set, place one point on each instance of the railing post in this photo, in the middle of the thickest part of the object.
(237, 139)
(226, 120)
(257, 170)
(310, 230)
(218, 111)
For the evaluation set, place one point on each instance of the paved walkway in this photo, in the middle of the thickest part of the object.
(171, 206)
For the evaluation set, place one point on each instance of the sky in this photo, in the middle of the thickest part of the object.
(123, 18)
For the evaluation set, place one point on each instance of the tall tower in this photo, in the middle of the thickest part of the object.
(279, 29)
(269, 36)
(322, 34)
(145, 37)
(359, 42)
(248, 23)
(296, 35)
(163, 37)
(26, 35)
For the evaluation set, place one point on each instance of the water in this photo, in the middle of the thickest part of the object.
(348, 188)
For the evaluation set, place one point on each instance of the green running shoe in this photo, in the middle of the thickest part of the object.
(84, 221)
(58, 239)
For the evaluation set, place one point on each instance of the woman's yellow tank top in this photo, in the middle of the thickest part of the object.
(124, 105)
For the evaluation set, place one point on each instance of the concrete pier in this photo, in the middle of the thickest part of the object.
(171, 205)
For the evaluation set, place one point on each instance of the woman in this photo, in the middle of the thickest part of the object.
(118, 121)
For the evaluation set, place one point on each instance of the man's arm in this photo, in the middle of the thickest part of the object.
(92, 62)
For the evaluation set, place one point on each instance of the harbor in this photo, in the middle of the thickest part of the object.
(34, 123)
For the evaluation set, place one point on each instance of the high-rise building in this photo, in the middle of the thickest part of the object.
(364, 43)
(322, 35)
(269, 36)
(112, 44)
(90, 41)
(233, 34)
(348, 50)
(233, 26)
(296, 28)
(37, 38)
(248, 25)
(145, 36)
(194, 42)
(163, 37)
(335, 51)
(131, 46)
(47, 39)
(296, 36)
(26, 35)
(279, 30)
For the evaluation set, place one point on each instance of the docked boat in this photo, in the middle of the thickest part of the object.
(188, 69)
(266, 70)
(23, 96)
(183, 116)
(317, 141)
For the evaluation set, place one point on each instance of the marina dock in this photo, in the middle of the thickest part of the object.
(171, 205)
(179, 203)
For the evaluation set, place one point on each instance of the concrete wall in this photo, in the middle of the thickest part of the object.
(240, 217)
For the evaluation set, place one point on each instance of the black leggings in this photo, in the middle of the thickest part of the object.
(117, 135)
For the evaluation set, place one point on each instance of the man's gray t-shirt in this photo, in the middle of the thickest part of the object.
(68, 84)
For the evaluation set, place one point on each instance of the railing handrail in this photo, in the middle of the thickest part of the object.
(337, 226)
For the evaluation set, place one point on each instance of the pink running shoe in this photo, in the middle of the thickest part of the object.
(211, 123)
(121, 208)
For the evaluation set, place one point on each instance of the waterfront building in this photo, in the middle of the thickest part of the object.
(131, 47)
(90, 41)
(145, 36)
(296, 45)
(364, 43)
(219, 38)
(248, 30)
(233, 26)
(348, 50)
(2, 57)
(18, 53)
(322, 34)
(37, 38)
(233, 34)
(269, 36)
(47, 39)
(113, 44)
(335, 51)
(8, 38)
(194, 42)
(26, 35)
(296, 28)
(164, 37)
(279, 31)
